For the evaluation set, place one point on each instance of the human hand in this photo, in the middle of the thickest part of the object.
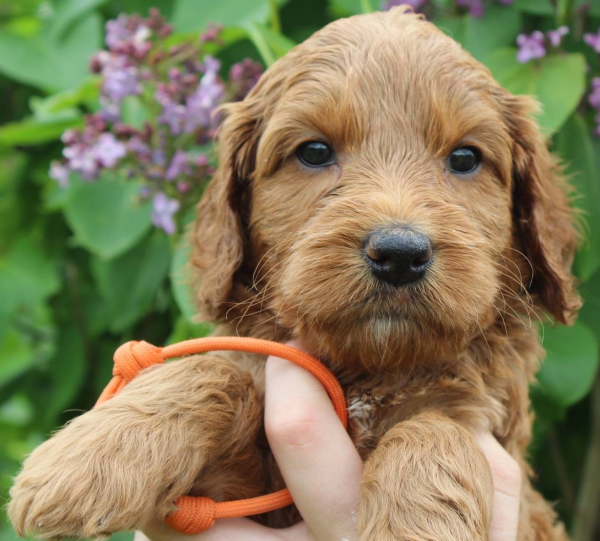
(322, 469)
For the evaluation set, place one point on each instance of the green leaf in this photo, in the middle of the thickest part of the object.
(498, 27)
(558, 82)
(129, 283)
(536, 7)
(574, 146)
(590, 292)
(31, 61)
(106, 216)
(180, 275)
(345, 8)
(47, 108)
(32, 131)
(194, 15)
(569, 370)
(121, 536)
(66, 12)
(6, 530)
(104, 364)
(28, 338)
(78, 46)
(16, 355)
(17, 411)
(453, 26)
(480, 36)
(66, 376)
(547, 412)
(134, 113)
(27, 276)
(269, 44)
(184, 330)
(49, 65)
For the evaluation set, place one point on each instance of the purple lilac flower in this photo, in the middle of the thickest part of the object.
(204, 100)
(81, 158)
(199, 106)
(60, 173)
(109, 111)
(556, 36)
(139, 148)
(174, 113)
(594, 96)
(212, 33)
(109, 150)
(121, 79)
(593, 40)
(118, 31)
(415, 4)
(201, 160)
(179, 166)
(244, 76)
(128, 34)
(163, 211)
(594, 101)
(138, 61)
(475, 7)
(183, 186)
(530, 46)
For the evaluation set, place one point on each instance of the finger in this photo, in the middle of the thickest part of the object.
(231, 529)
(507, 477)
(319, 463)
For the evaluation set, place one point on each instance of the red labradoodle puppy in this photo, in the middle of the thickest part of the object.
(380, 196)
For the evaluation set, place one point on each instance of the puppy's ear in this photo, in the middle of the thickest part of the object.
(219, 234)
(545, 223)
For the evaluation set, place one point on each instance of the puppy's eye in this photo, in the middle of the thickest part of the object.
(315, 154)
(463, 160)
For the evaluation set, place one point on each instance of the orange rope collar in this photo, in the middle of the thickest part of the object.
(197, 514)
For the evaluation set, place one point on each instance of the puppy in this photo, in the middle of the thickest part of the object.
(382, 197)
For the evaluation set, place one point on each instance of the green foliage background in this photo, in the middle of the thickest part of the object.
(82, 270)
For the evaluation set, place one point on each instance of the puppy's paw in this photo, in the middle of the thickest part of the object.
(76, 485)
(126, 462)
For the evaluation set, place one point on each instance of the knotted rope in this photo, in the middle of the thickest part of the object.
(197, 514)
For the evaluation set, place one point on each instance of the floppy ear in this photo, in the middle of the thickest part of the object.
(544, 220)
(219, 233)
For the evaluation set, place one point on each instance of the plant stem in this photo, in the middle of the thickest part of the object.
(588, 502)
(261, 45)
(561, 471)
(564, 11)
(274, 16)
(366, 6)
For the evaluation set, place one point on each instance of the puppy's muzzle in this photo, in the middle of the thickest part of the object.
(399, 255)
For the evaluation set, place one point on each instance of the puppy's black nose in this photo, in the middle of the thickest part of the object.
(399, 255)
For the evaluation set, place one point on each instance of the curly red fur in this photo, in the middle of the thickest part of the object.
(278, 254)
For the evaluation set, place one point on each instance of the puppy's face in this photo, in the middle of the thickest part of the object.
(373, 183)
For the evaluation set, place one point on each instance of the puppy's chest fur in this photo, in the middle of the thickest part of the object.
(375, 409)
(484, 388)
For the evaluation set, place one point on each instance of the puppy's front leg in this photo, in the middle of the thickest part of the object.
(426, 481)
(128, 460)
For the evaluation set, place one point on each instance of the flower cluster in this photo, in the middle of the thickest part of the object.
(415, 4)
(594, 101)
(178, 90)
(476, 7)
(593, 40)
(534, 45)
